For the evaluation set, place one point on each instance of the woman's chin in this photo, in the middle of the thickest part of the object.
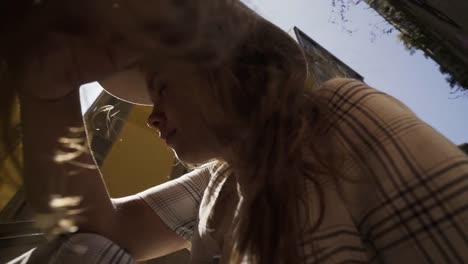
(191, 157)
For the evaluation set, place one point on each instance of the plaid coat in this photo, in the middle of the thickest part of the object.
(402, 197)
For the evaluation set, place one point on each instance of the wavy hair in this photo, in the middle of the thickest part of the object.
(263, 108)
(261, 105)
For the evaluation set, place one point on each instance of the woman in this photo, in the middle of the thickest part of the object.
(292, 173)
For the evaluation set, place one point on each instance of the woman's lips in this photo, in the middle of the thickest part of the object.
(166, 136)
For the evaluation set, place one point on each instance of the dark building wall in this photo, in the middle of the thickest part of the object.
(464, 147)
(323, 64)
(438, 28)
(445, 20)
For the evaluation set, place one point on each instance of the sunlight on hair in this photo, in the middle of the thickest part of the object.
(63, 202)
(62, 218)
(76, 147)
(77, 129)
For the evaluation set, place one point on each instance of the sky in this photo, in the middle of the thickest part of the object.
(383, 61)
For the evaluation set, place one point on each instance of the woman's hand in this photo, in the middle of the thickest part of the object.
(62, 62)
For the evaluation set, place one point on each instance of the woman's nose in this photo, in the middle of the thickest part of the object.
(156, 119)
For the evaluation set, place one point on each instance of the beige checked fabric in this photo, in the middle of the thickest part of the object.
(403, 195)
(177, 202)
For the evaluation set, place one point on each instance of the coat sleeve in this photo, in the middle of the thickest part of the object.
(177, 202)
(404, 184)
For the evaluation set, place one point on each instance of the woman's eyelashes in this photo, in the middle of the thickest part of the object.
(162, 89)
(156, 86)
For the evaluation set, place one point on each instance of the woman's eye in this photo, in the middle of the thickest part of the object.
(152, 82)
(162, 87)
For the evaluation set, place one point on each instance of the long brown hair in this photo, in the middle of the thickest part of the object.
(262, 101)
(263, 107)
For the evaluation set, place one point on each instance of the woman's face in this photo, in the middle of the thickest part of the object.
(177, 113)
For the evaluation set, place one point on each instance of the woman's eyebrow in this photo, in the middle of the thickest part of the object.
(149, 75)
(141, 67)
(146, 68)
(151, 80)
